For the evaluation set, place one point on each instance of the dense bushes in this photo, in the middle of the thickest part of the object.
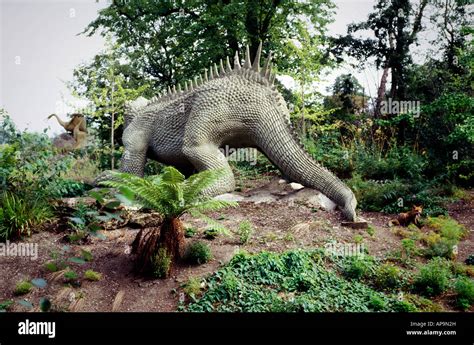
(32, 173)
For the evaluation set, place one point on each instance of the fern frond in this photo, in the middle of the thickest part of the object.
(145, 191)
(195, 184)
(212, 205)
(172, 175)
(211, 222)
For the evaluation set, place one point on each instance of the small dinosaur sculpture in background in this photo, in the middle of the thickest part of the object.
(76, 126)
(238, 107)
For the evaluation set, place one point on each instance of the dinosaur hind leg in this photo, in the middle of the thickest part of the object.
(207, 157)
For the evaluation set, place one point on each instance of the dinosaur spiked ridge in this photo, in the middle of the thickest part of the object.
(252, 71)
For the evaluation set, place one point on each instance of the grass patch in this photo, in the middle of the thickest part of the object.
(23, 287)
(92, 276)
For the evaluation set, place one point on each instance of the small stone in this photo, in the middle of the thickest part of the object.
(282, 181)
(296, 186)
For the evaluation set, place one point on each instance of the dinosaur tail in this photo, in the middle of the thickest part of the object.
(279, 143)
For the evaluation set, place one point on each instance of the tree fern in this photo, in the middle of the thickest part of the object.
(170, 193)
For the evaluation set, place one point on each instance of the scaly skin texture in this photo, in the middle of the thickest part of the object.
(238, 107)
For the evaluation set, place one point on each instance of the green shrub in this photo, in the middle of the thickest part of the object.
(69, 188)
(356, 268)
(198, 253)
(443, 247)
(70, 276)
(92, 275)
(192, 287)
(5, 305)
(377, 303)
(409, 247)
(433, 278)
(447, 233)
(211, 233)
(423, 304)
(51, 266)
(388, 276)
(404, 307)
(23, 287)
(370, 230)
(161, 264)
(190, 231)
(464, 288)
(397, 162)
(460, 269)
(358, 238)
(447, 227)
(373, 196)
(245, 231)
(18, 216)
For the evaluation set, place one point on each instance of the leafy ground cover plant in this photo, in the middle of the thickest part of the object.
(288, 282)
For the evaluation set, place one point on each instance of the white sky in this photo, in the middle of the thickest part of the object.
(39, 48)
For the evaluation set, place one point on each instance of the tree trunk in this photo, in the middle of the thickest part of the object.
(170, 236)
(381, 93)
(112, 139)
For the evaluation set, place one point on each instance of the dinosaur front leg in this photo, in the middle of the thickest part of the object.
(133, 162)
(135, 143)
(205, 157)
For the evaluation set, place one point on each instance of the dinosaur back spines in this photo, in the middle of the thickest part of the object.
(251, 71)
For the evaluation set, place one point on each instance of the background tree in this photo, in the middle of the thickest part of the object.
(107, 88)
(169, 42)
(304, 63)
(348, 96)
(395, 25)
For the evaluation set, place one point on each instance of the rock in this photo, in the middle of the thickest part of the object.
(263, 197)
(326, 203)
(296, 186)
(139, 220)
(360, 223)
(74, 202)
(281, 181)
(229, 197)
(64, 141)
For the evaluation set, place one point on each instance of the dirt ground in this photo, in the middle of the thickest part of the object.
(278, 226)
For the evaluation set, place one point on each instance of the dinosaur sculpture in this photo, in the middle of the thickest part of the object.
(76, 126)
(239, 107)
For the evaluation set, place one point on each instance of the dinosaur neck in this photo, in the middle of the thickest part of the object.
(277, 141)
(62, 123)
